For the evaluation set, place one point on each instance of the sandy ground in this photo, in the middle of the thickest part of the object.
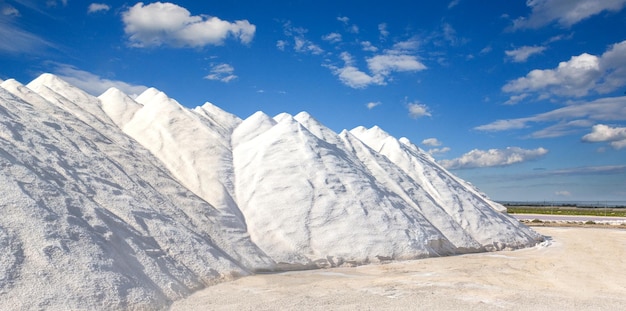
(576, 269)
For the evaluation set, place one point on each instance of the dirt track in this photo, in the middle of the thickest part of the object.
(576, 269)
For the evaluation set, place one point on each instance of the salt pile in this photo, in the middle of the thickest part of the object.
(111, 202)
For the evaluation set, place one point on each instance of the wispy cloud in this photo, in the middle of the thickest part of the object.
(221, 72)
(94, 84)
(371, 105)
(98, 7)
(565, 12)
(158, 24)
(574, 115)
(14, 40)
(494, 157)
(299, 41)
(332, 37)
(522, 54)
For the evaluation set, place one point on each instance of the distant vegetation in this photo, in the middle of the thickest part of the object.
(566, 210)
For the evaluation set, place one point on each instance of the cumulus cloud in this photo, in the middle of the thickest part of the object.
(371, 105)
(346, 21)
(332, 37)
(98, 7)
(221, 72)
(94, 84)
(387, 63)
(417, 110)
(166, 23)
(604, 109)
(352, 76)
(616, 136)
(522, 54)
(435, 151)
(368, 46)
(432, 142)
(565, 12)
(576, 77)
(493, 157)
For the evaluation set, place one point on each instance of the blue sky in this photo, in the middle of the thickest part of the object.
(525, 99)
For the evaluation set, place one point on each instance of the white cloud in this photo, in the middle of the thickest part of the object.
(281, 44)
(9, 10)
(382, 29)
(300, 43)
(578, 76)
(221, 72)
(417, 110)
(303, 45)
(575, 77)
(14, 40)
(565, 12)
(94, 84)
(616, 136)
(53, 3)
(343, 19)
(435, 151)
(522, 54)
(332, 37)
(486, 49)
(98, 7)
(563, 193)
(371, 105)
(513, 100)
(352, 76)
(453, 3)
(432, 142)
(367, 46)
(160, 23)
(406, 46)
(494, 157)
(387, 63)
(575, 115)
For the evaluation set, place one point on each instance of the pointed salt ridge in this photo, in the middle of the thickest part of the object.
(148, 95)
(71, 98)
(282, 116)
(374, 137)
(21, 91)
(251, 127)
(219, 116)
(317, 128)
(119, 106)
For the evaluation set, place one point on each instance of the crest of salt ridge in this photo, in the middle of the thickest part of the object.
(114, 202)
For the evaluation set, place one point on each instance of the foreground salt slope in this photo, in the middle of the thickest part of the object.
(90, 219)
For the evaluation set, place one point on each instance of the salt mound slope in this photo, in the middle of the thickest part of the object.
(132, 203)
(90, 219)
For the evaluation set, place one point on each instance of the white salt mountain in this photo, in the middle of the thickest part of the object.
(114, 202)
